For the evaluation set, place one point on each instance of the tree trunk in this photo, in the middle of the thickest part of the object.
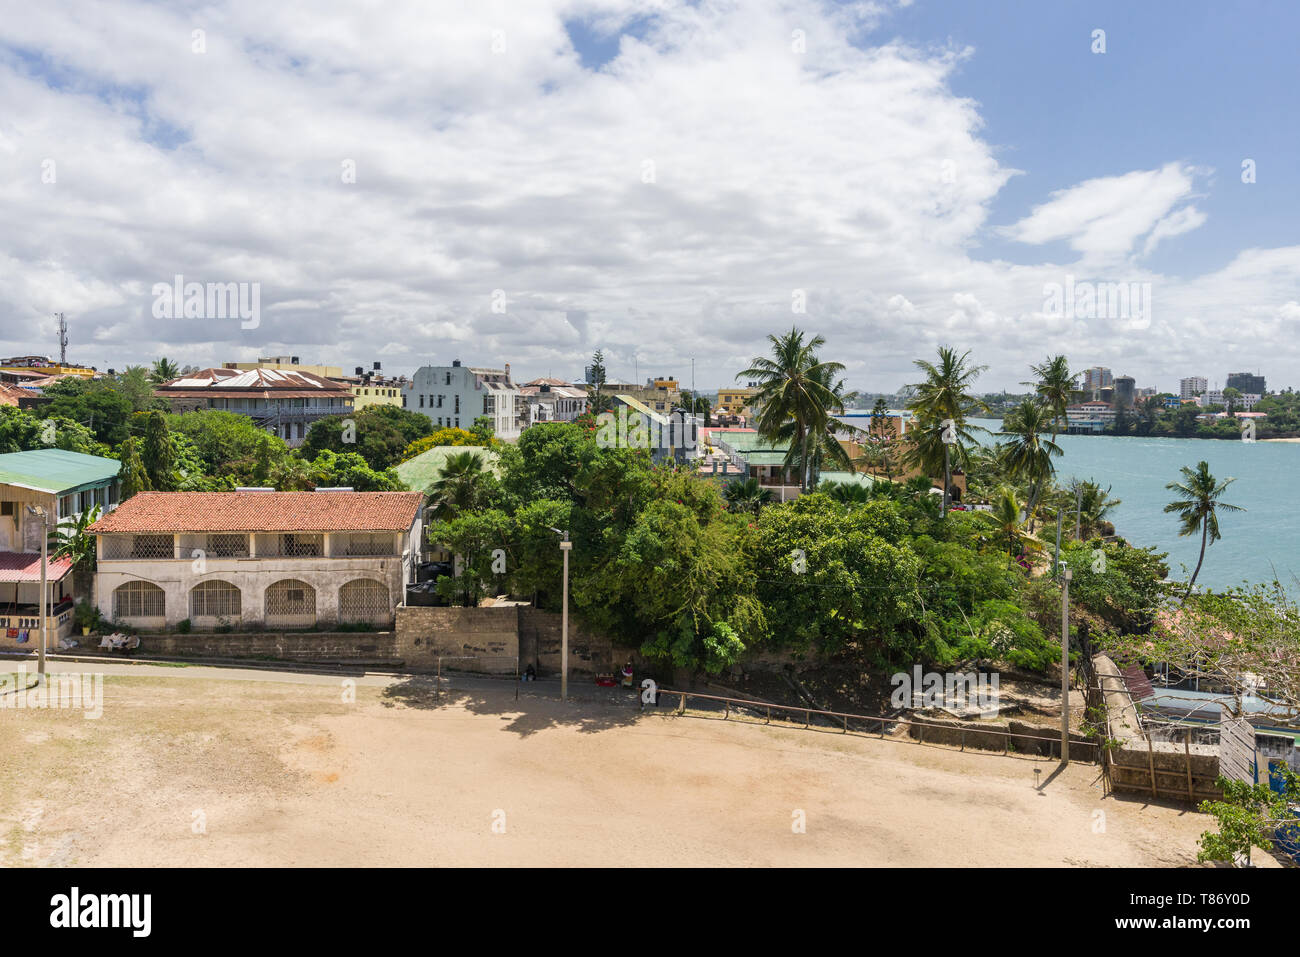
(1205, 531)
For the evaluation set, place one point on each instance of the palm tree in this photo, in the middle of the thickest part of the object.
(944, 397)
(1028, 454)
(1006, 517)
(746, 495)
(73, 541)
(164, 370)
(793, 393)
(1094, 504)
(1198, 508)
(822, 445)
(847, 493)
(459, 485)
(1053, 385)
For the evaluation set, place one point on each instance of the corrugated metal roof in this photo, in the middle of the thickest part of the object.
(55, 470)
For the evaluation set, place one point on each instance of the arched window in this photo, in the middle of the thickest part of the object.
(364, 599)
(214, 599)
(138, 600)
(291, 602)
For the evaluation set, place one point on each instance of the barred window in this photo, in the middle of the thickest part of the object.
(290, 602)
(364, 599)
(214, 599)
(152, 546)
(138, 600)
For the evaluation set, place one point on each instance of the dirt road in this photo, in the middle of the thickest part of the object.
(201, 770)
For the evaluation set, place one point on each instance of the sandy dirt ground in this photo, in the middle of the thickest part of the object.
(196, 767)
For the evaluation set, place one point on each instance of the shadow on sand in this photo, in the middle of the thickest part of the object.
(537, 708)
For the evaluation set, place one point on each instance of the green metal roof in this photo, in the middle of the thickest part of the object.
(56, 471)
(422, 471)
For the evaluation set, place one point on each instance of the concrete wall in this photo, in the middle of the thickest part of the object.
(988, 736)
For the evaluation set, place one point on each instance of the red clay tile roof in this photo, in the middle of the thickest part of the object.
(26, 567)
(263, 512)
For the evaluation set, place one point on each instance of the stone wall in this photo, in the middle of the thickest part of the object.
(495, 638)
(488, 637)
(320, 646)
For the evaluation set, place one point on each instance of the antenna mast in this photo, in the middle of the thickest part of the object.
(63, 340)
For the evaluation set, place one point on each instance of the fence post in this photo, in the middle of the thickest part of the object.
(726, 710)
(807, 717)
(846, 724)
(682, 707)
(769, 715)
(1187, 754)
(921, 739)
(1151, 764)
(963, 739)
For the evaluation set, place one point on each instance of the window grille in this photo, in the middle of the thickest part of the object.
(214, 599)
(152, 546)
(364, 599)
(138, 600)
(290, 602)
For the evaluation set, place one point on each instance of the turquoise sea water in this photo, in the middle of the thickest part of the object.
(1257, 545)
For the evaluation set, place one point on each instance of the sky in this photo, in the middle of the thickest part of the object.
(670, 182)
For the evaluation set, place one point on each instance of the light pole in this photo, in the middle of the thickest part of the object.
(566, 546)
(45, 621)
(1065, 665)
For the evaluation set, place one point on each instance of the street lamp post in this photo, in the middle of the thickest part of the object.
(1065, 664)
(566, 546)
(41, 605)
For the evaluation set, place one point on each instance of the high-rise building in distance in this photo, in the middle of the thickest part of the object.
(1192, 386)
(1245, 382)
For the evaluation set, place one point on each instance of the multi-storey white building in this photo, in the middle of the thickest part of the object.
(456, 395)
(1192, 386)
(552, 400)
(1247, 400)
(257, 559)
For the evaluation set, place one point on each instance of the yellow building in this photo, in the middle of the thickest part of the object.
(388, 392)
(43, 365)
(734, 401)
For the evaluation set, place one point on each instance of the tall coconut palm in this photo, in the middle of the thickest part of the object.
(944, 397)
(1028, 455)
(459, 485)
(1053, 385)
(1199, 508)
(794, 394)
(746, 495)
(822, 446)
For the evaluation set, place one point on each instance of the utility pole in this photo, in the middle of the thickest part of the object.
(1065, 665)
(44, 612)
(1056, 555)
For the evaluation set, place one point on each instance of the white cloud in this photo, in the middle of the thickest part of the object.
(851, 171)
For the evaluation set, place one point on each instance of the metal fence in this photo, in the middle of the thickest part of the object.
(843, 721)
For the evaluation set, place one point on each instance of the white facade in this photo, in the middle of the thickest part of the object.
(455, 395)
(254, 580)
(554, 403)
(1247, 400)
(1192, 386)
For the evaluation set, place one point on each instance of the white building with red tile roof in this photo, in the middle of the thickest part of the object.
(257, 559)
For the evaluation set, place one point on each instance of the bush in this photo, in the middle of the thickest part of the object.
(184, 627)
